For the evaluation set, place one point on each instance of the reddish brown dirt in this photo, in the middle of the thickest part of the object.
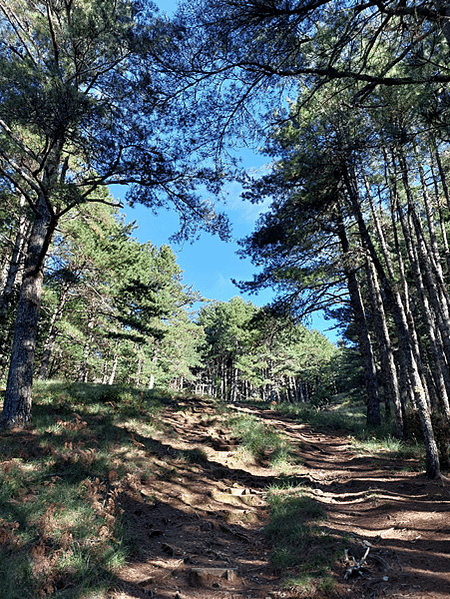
(198, 526)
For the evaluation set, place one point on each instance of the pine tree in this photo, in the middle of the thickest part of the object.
(82, 105)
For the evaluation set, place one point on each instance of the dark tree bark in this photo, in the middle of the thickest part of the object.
(18, 396)
(365, 344)
(409, 346)
(386, 351)
(429, 281)
(421, 397)
(137, 381)
(386, 354)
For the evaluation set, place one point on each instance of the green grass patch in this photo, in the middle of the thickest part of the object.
(410, 455)
(194, 456)
(61, 528)
(347, 416)
(263, 442)
(304, 548)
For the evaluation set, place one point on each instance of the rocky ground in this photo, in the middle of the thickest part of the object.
(197, 523)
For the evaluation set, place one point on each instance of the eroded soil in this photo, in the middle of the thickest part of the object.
(197, 522)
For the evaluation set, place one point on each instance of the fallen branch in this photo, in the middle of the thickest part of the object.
(355, 567)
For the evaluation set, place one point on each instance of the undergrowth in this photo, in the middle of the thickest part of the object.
(262, 441)
(61, 478)
(347, 416)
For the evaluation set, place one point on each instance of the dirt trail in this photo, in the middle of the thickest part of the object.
(198, 519)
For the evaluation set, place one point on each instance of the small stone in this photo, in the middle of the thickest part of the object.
(205, 576)
(168, 549)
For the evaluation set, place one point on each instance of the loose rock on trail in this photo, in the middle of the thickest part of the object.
(197, 520)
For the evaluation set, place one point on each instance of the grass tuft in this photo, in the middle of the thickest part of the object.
(350, 418)
(303, 547)
(347, 416)
(262, 441)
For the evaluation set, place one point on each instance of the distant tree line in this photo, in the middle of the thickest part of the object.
(113, 310)
(116, 311)
(248, 353)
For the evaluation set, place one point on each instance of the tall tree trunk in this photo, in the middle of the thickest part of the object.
(402, 309)
(421, 397)
(14, 266)
(365, 344)
(429, 211)
(436, 316)
(83, 367)
(234, 384)
(18, 395)
(112, 376)
(293, 396)
(137, 380)
(151, 383)
(440, 376)
(105, 371)
(386, 354)
(408, 343)
(223, 379)
(301, 395)
(443, 180)
(386, 351)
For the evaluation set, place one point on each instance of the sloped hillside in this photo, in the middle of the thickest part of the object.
(120, 494)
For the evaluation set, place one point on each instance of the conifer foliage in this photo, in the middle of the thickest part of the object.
(99, 92)
(82, 105)
(351, 102)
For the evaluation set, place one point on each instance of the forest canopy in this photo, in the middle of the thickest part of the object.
(358, 179)
(348, 102)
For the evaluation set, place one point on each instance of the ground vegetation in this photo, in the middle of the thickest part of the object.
(120, 493)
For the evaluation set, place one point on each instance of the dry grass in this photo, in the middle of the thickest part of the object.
(60, 483)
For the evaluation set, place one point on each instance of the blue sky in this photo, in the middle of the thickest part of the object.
(209, 264)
